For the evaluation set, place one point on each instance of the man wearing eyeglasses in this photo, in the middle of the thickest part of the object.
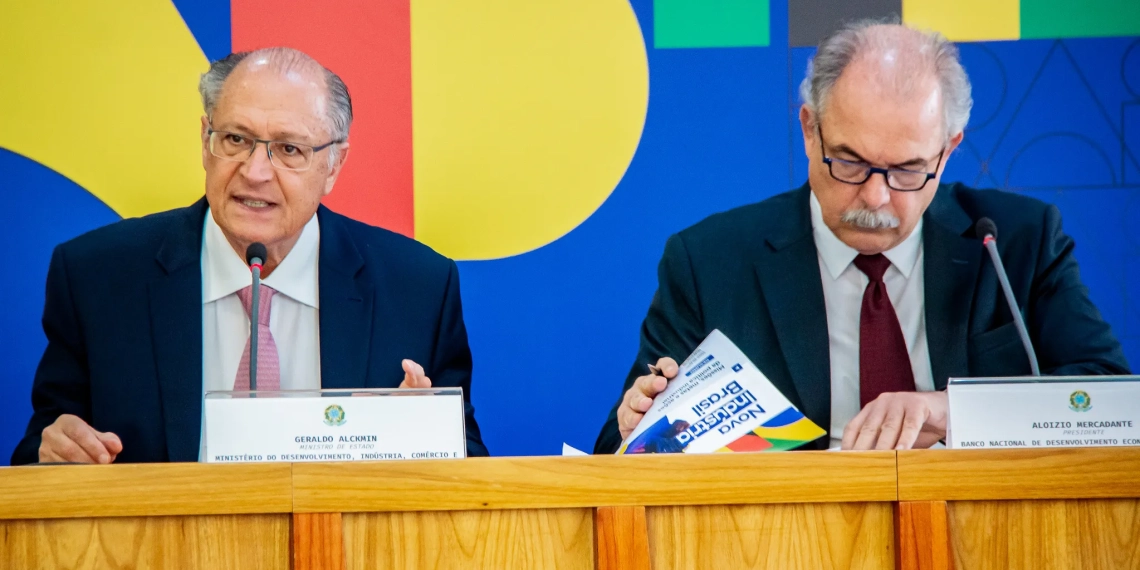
(859, 294)
(145, 315)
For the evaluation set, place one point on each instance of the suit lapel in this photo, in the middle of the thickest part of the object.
(952, 259)
(346, 297)
(788, 271)
(176, 329)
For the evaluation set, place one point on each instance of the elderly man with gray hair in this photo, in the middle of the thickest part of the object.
(860, 293)
(144, 316)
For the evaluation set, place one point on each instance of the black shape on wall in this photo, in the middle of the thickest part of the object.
(809, 21)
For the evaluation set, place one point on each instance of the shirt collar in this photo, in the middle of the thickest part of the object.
(224, 272)
(837, 256)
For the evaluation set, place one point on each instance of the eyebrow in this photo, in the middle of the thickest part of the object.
(844, 149)
(280, 136)
(232, 128)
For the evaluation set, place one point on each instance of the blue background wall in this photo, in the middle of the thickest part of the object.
(554, 330)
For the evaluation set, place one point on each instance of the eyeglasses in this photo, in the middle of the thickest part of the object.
(857, 173)
(282, 154)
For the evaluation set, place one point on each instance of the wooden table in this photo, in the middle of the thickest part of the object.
(818, 510)
(1026, 508)
(794, 510)
(145, 516)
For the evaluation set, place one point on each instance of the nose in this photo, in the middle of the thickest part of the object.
(257, 167)
(875, 192)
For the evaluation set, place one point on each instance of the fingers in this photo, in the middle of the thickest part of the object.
(68, 451)
(891, 427)
(628, 415)
(668, 367)
(411, 368)
(634, 405)
(892, 421)
(111, 442)
(70, 439)
(85, 437)
(639, 398)
(935, 417)
(414, 376)
(862, 431)
(628, 418)
(851, 430)
(912, 427)
(647, 387)
(49, 456)
(869, 431)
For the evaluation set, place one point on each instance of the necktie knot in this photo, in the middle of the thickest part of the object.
(263, 302)
(874, 266)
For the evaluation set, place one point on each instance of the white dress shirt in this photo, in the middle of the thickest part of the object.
(294, 316)
(843, 287)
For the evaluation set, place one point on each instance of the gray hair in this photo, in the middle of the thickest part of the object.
(930, 51)
(284, 59)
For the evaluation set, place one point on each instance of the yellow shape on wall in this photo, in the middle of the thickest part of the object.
(966, 20)
(105, 93)
(526, 115)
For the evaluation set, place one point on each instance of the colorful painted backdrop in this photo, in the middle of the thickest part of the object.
(550, 146)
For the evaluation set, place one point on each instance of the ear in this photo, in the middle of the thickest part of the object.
(807, 125)
(205, 140)
(951, 146)
(338, 165)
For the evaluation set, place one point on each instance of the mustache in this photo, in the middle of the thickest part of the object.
(869, 219)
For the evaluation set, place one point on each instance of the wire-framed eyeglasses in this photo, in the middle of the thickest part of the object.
(285, 155)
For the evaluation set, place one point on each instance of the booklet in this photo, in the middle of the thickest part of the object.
(720, 402)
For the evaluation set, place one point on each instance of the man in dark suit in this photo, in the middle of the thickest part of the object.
(145, 315)
(859, 294)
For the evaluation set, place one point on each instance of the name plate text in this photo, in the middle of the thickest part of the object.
(334, 425)
(1061, 411)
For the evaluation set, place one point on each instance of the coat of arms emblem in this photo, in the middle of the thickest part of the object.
(1080, 401)
(334, 415)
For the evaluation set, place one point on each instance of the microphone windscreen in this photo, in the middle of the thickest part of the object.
(255, 250)
(985, 227)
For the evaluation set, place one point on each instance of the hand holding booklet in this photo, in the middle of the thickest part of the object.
(720, 402)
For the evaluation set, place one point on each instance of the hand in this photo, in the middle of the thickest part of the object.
(414, 376)
(70, 440)
(639, 397)
(899, 420)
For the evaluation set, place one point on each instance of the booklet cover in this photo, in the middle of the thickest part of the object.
(720, 402)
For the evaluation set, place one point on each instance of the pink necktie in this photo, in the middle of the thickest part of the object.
(268, 364)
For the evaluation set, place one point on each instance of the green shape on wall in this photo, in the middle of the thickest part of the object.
(710, 23)
(1079, 18)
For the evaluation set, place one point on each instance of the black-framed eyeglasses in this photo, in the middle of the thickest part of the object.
(858, 173)
(282, 154)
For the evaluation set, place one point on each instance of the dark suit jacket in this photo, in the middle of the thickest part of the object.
(753, 273)
(123, 318)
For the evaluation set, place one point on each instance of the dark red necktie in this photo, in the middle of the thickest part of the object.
(884, 364)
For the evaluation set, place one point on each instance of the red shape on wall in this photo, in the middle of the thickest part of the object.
(368, 43)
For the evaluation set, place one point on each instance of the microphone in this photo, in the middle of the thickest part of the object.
(987, 232)
(255, 256)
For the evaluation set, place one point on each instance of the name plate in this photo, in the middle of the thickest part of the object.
(1056, 411)
(334, 425)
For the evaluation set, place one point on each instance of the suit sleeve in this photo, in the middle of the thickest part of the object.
(1071, 336)
(451, 359)
(673, 327)
(62, 383)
